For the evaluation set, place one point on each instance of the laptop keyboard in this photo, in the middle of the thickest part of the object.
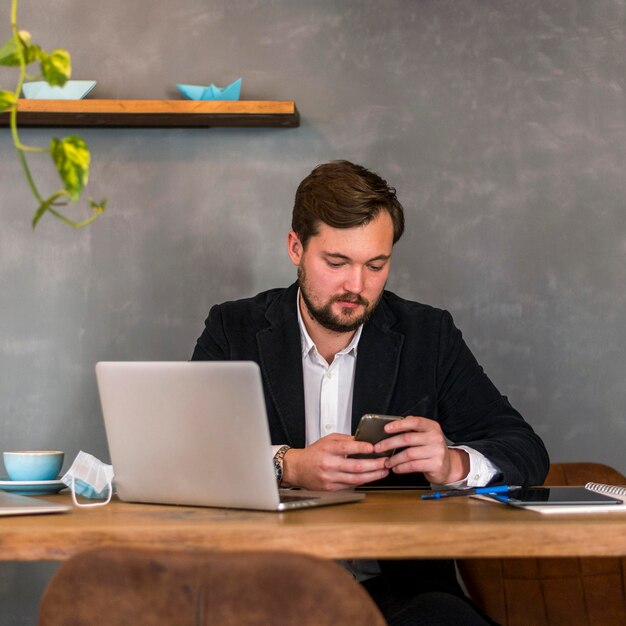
(285, 498)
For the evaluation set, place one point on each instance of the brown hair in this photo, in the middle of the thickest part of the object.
(343, 195)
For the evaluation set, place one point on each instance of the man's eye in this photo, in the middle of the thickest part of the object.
(376, 268)
(331, 264)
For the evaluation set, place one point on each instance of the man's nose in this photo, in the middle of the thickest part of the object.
(354, 280)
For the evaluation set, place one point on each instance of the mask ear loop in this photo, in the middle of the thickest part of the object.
(77, 503)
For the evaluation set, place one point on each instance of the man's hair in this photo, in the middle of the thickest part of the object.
(343, 195)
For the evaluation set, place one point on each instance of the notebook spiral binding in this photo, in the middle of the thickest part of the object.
(610, 490)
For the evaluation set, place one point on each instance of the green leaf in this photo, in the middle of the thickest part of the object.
(31, 50)
(25, 37)
(98, 207)
(71, 158)
(43, 207)
(9, 53)
(46, 204)
(56, 67)
(32, 53)
(7, 100)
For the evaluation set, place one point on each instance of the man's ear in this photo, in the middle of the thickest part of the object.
(294, 248)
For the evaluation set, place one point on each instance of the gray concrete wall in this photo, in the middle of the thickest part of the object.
(501, 123)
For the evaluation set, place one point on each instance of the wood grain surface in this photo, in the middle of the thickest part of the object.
(385, 525)
(156, 113)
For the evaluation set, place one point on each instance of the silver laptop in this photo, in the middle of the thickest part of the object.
(14, 504)
(195, 433)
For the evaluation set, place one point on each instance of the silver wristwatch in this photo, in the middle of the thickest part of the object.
(278, 462)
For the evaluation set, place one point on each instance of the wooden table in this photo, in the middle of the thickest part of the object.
(387, 524)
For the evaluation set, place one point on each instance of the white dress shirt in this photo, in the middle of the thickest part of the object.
(327, 387)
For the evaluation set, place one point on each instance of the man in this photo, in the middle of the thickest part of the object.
(336, 345)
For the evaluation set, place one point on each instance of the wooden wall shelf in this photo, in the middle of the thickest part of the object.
(156, 113)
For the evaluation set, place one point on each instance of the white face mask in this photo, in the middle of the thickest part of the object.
(91, 478)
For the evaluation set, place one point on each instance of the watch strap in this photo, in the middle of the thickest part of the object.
(278, 462)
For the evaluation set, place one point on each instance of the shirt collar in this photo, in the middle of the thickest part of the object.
(307, 343)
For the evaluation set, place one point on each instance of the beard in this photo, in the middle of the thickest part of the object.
(323, 314)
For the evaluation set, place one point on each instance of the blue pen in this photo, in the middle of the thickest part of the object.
(451, 493)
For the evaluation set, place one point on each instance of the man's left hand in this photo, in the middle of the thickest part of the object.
(425, 450)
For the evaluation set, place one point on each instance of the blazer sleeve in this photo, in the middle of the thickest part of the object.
(474, 413)
(212, 345)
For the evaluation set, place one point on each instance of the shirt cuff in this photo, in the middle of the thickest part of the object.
(481, 471)
(275, 449)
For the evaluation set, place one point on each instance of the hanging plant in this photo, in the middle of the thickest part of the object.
(70, 155)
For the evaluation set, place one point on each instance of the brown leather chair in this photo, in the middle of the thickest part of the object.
(551, 592)
(128, 586)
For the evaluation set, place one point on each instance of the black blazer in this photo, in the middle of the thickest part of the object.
(411, 360)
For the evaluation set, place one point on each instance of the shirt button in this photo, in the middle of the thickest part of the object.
(476, 476)
(329, 375)
(327, 427)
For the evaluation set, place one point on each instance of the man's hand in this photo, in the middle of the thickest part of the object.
(324, 466)
(425, 451)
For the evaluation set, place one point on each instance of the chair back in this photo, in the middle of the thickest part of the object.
(130, 586)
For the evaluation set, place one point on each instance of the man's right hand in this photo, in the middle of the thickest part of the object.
(324, 466)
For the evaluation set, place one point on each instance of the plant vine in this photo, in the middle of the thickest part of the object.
(70, 155)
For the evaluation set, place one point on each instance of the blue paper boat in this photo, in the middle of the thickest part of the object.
(72, 90)
(200, 92)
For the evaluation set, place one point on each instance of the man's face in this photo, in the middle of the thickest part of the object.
(343, 271)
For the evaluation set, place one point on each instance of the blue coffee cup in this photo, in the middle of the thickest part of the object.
(32, 465)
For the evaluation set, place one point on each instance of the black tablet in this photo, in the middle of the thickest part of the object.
(533, 496)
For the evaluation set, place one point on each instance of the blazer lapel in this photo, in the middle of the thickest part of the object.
(378, 359)
(281, 364)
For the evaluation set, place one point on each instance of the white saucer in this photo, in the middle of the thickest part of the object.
(31, 487)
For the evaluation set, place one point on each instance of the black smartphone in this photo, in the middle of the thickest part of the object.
(533, 496)
(371, 428)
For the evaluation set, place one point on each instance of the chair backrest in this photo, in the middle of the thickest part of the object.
(125, 586)
(552, 592)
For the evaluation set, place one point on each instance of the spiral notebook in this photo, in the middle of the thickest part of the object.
(614, 491)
